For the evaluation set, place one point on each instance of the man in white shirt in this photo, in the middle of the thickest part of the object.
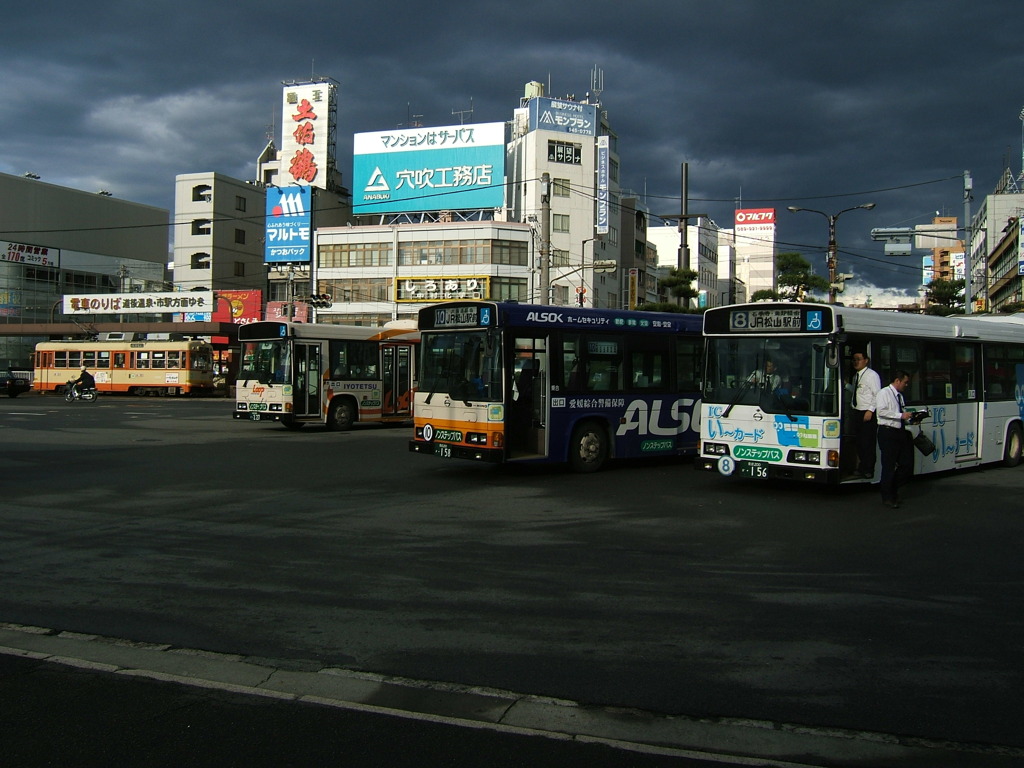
(864, 388)
(895, 443)
(767, 377)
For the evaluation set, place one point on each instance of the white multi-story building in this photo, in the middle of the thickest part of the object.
(754, 239)
(988, 230)
(702, 242)
(377, 273)
(218, 233)
(571, 142)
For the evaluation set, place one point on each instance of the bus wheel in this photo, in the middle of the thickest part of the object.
(1014, 447)
(588, 450)
(341, 417)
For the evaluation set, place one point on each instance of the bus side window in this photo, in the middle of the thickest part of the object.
(688, 356)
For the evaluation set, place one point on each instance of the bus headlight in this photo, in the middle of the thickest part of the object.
(805, 457)
(476, 438)
(716, 449)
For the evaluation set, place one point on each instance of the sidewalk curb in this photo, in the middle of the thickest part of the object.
(735, 741)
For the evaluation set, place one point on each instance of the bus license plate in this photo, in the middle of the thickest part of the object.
(755, 469)
(254, 416)
(443, 450)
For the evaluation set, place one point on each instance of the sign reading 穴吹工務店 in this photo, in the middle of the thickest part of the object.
(138, 303)
(455, 167)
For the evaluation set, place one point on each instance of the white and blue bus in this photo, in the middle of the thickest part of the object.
(334, 375)
(507, 382)
(967, 373)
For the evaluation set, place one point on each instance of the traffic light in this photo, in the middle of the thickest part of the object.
(319, 300)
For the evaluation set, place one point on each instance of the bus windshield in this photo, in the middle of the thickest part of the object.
(465, 365)
(781, 375)
(267, 362)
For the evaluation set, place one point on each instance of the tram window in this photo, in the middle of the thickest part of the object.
(119, 359)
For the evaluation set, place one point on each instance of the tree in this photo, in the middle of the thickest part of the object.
(945, 297)
(667, 306)
(796, 278)
(765, 294)
(680, 284)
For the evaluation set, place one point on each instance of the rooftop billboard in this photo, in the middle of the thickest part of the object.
(455, 167)
(306, 132)
(563, 116)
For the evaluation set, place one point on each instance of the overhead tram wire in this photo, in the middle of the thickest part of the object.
(584, 192)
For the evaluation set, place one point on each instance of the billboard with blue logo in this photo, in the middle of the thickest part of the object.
(288, 225)
(563, 116)
(457, 167)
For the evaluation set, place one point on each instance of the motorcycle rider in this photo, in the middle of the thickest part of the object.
(84, 381)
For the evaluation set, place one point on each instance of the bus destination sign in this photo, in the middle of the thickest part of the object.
(755, 320)
(473, 316)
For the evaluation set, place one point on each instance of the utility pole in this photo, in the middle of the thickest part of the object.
(683, 257)
(968, 267)
(545, 237)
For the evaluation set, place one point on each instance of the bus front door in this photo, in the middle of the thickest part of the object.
(306, 395)
(526, 412)
(396, 380)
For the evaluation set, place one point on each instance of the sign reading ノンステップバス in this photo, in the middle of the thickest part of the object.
(454, 167)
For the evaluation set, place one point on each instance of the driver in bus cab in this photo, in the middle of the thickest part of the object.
(84, 381)
(767, 377)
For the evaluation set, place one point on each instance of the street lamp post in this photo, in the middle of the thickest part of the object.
(833, 248)
(581, 292)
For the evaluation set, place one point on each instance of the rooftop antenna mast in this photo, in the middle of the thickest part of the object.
(597, 83)
(272, 128)
(463, 112)
(411, 120)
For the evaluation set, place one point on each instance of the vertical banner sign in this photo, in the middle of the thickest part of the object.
(288, 225)
(305, 132)
(634, 275)
(602, 186)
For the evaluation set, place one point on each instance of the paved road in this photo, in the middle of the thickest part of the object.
(649, 587)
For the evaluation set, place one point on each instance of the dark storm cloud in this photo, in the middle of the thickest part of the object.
(823, 105)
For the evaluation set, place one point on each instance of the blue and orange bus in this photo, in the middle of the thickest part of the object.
(507, 382)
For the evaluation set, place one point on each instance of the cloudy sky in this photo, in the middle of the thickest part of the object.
(824, 105)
